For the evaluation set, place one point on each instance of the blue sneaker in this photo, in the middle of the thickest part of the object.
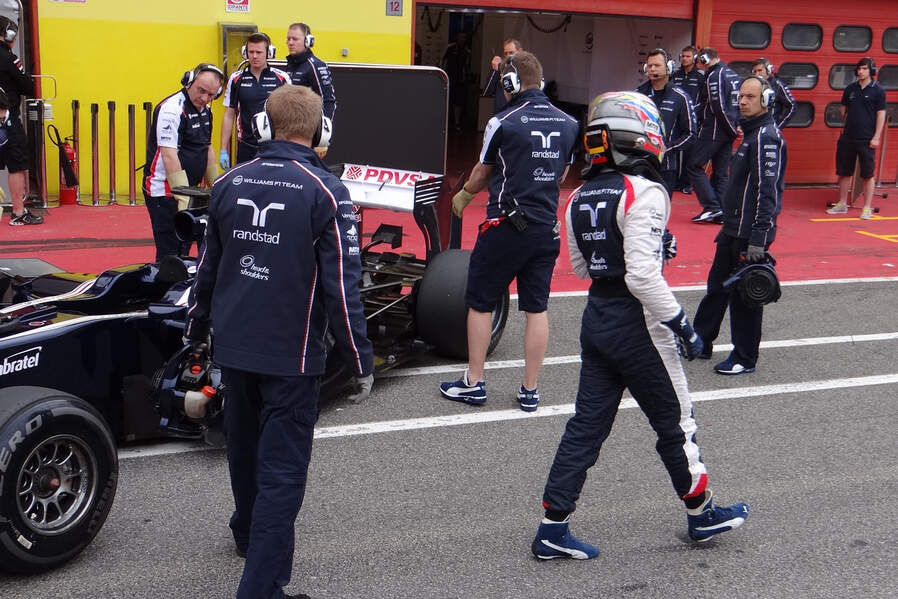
(553, 539)
(528, 399)
(462, 390)
(708, 520)
(731, 367)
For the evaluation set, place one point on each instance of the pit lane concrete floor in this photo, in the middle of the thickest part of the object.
(446, 507)
(810, 244)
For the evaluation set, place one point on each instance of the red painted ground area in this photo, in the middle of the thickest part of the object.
(810, 244)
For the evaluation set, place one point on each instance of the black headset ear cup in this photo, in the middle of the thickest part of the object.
(767, 97)
(310, 40)
(243, 52)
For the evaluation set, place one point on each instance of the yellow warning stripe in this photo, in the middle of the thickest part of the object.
(891, 238)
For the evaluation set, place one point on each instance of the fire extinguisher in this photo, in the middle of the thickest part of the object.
(68, 181)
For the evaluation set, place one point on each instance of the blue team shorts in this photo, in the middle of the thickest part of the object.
(502, 254)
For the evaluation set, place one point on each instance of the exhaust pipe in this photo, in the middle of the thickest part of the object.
(190, 225)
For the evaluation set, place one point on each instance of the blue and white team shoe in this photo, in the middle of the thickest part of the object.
(732, 367)
(529, 399)
(708, 520)
(462, 390)
(554, 539)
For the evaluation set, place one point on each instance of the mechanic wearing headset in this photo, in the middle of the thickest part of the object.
(677, 114)
(280, 261)
(864, 115)
(631, 326)
(304, 68)
(752, 201)
(688, 77)
(527, 149)
(179, 151)
(15, 83)
(784, 105)
(718, 115)
(245, 96)
(494, 83)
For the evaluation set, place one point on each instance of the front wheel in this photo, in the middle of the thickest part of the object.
(58, 476)
(440, 311)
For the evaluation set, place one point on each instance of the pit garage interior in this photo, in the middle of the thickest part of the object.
(582, 55)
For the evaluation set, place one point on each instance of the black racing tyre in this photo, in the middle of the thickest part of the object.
(58, 475)
(441, 315)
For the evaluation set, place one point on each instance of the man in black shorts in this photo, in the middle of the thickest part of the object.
(14, 83)
(527, 148)
(864, 115)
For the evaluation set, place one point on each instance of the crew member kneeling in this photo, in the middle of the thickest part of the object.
(614, 227)
(280, 262)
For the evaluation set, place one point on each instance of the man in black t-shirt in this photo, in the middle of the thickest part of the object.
(864, 115)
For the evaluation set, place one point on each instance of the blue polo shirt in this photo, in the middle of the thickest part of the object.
(530, 143)
(861, 106)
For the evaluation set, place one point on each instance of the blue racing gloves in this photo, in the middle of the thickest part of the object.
(689, 344)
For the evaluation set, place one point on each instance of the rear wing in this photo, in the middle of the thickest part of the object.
(425, 195)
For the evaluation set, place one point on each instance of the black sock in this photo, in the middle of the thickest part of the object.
(557, 515)
(694, 502)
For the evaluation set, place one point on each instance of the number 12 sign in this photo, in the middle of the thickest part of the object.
(394, 8)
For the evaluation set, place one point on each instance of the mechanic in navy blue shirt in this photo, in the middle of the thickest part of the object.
(677, 114)
(527, 149)
(751, 204)
(279, 268)
(864, 115)
(718, 115)
(494, 83)
(783, 106)
(245, 95)
(179, 151)
(688, 77)
(307, 69)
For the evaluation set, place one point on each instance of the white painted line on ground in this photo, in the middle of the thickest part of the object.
(573, 359)
(476, 415)
(627, 403)
(782, 283)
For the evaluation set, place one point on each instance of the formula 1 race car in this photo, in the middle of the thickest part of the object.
(88, 361)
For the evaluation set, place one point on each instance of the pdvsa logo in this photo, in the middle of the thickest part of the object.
(353, 172)
(23, 360)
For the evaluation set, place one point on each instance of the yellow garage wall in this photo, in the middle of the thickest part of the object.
(132, 52)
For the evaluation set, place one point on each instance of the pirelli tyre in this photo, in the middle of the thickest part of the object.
(58, 475)
(440, 312)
